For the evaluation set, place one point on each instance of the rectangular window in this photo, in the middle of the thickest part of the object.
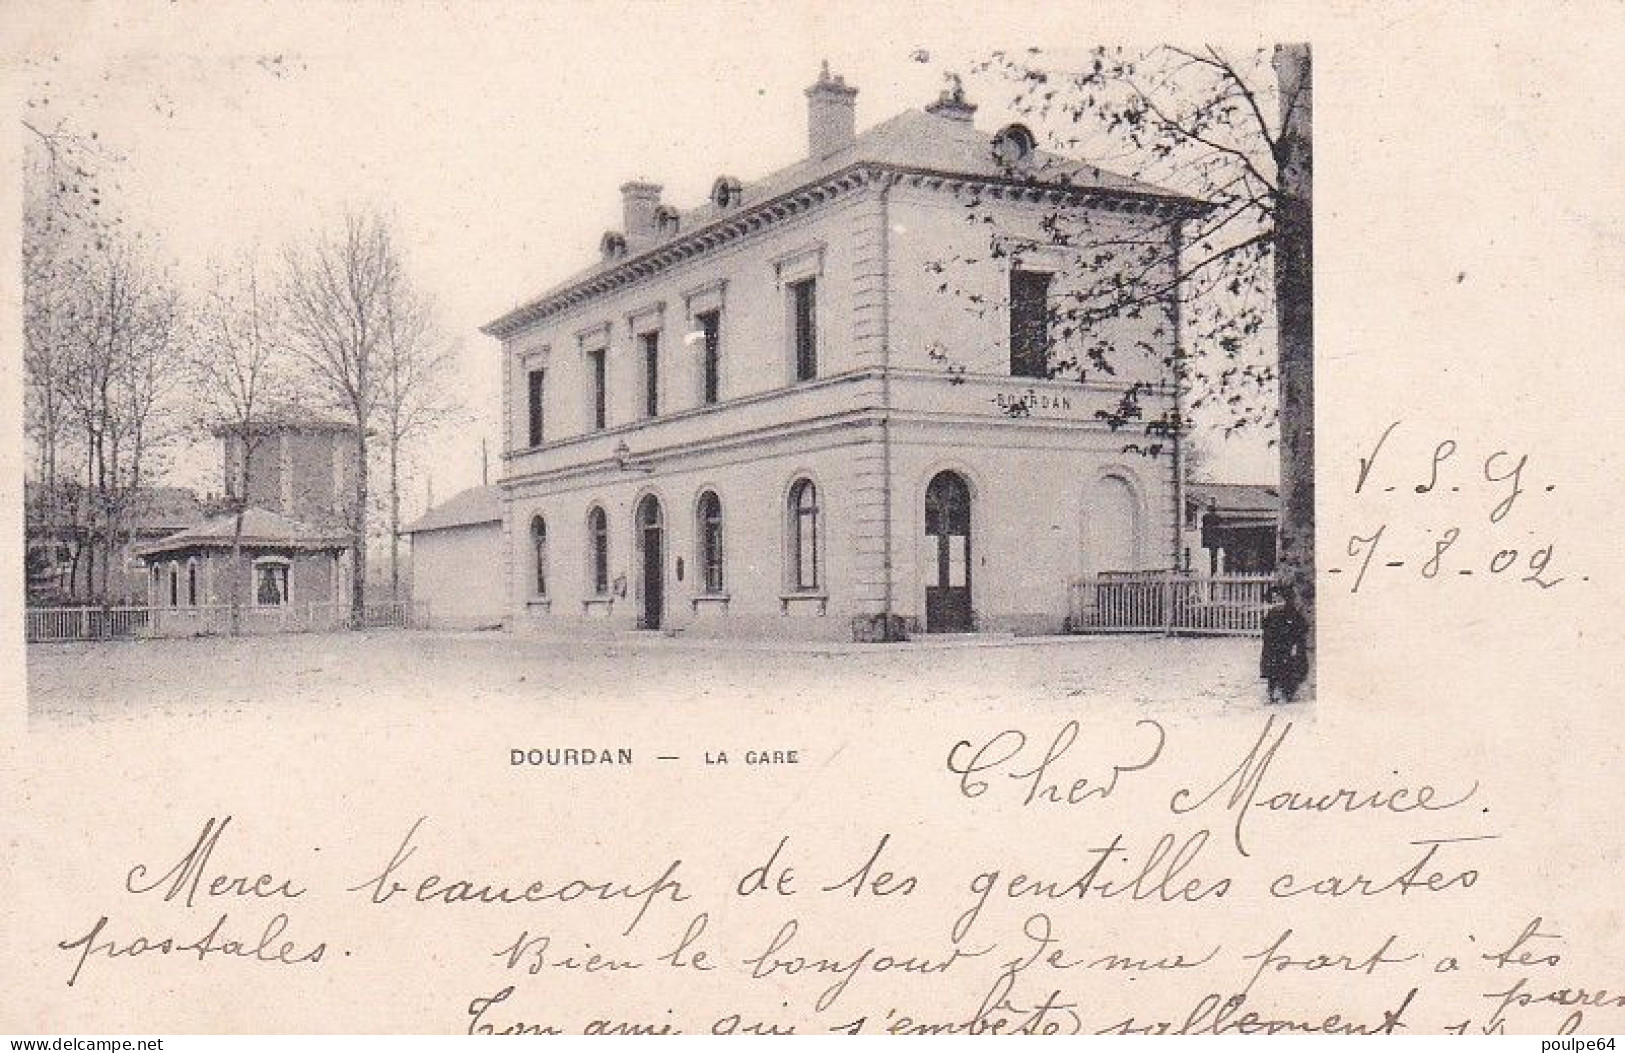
(600, 388)
(651, 374)
(804, 315)
(538, 384)
(271, 587)
(1029, 323)
(711, 329)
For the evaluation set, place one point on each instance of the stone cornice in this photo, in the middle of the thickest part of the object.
(731, 227)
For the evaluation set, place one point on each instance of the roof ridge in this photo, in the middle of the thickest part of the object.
(952, 149)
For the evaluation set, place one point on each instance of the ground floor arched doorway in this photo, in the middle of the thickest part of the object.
(651, 546)
(948, 555)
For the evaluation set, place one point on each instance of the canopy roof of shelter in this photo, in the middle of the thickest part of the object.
(261, 529)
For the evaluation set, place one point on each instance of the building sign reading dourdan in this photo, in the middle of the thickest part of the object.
(1026, 403)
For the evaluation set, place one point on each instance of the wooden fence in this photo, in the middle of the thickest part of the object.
(1168, 602)
(58, 624)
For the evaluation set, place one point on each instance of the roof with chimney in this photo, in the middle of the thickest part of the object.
(261, 529)
(938, 140)
(475, 506)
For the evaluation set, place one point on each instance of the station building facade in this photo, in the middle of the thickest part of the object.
(779, 413)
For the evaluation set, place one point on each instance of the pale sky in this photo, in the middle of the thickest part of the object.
(495, 135)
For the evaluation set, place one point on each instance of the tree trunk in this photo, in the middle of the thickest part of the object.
(236, 616)
(48, 517)
(1294, 310)
(394, 519)
(358, 537)
(98, 521)
(236, 569)
(1181, 453)
(129, 514)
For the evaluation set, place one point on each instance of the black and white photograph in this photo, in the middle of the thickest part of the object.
(1021, 350)
(728, 518)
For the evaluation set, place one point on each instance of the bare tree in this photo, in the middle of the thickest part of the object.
(1228, 284)
(65, 221)
(238, 372)
(337, 289)
(414, 395)
(122, 372)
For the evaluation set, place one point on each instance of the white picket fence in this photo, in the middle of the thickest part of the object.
(85, 623)
(59, 624)
(1168, 602)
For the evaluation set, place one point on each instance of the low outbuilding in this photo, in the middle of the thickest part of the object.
(286, 574)
(457, 580)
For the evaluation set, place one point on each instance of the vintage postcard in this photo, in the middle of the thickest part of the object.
(542, 518)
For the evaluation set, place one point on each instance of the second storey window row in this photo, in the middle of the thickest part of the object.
(616, 390)
(671, 353)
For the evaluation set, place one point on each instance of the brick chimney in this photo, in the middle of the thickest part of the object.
(832, 115)
(952, 103)
(640, 203)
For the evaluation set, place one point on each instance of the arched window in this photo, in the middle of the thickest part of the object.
(191, 582)
(804, 566)
(598, 545)
(174, 584)
(538, 547)
(709, 516)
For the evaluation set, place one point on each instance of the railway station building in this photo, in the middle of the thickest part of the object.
(778, 413)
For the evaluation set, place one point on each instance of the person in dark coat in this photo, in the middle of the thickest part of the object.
(1284, 663)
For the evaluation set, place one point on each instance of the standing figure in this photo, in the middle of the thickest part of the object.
(1284, 663)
